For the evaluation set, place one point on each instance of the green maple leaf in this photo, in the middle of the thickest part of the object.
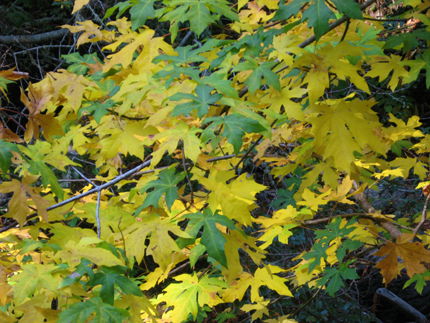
(192, 293)
(398, 145)
(176, 64)
(218, 81)
(285, 11)
(420, 279)
(319, 14)
(420, 64)
(212, 238)
(335, 278)
(333, 230)
(166, 184)
(6, 155)
(349, 8)
(79, 63)
(197, 12)
(38, 167)
(97, 109)
(259, 70)
(122, 6)
(108, 277)
(140, 12)
(318, 251)
(83, 268)
(31, 276)
(79, 312)
(347, 245)
(235, 126)
(201, 102)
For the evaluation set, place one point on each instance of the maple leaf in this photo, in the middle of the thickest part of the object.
(335, 278)
(171, 137)
(262, 277)
(79, 312)
(135, 305)
(220, 82)
(211, 238)
(312, 200)
(32, 274)
(107, 277)
(382, 67)
(80, 64)
(91, 31)
(166, 184)
(235, 199)
(35, 105)
(201, 102)
(18, 204)
(73, 252)
(6, 155)
(161, 245)
(260, 309)
(235, 126)
(420, 279)
(140, 12)
(259, 70)
(413, 255)
(191, 294)
(197, 12)
(342, 128)
(330, 59)
(8, 76)
(417, 65)
(79, 4)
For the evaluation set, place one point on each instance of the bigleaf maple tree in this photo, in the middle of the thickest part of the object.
(164, 229)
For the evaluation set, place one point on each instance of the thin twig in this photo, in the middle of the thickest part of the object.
(424, 215)
(78, 197)
(253, 146)
(187, 175)
(99, 228)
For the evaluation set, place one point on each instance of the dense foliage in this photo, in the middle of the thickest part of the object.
(132, 191)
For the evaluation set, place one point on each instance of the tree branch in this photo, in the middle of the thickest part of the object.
(78, 197)
(37, 38)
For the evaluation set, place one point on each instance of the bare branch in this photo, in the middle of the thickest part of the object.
(37, 38)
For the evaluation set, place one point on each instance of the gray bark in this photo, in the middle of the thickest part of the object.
(35, 39)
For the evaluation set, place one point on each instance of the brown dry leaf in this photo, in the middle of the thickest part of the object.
(426, 190)
(8, 135)
(413, 255)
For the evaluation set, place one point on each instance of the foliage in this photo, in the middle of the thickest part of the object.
(184, 235)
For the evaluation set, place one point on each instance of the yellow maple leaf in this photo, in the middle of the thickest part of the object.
(282, 319)
(382, 67)
(262, 277)
(413, 255)
(344, 127)
(283, 99)
(312, 200)
(79, 4)
(186, 297)
(236, 199)
(91, 31)
(74, 252)
(331, 59)
(169, 139)
(235, 241)
(161, 246)
(260, 308)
